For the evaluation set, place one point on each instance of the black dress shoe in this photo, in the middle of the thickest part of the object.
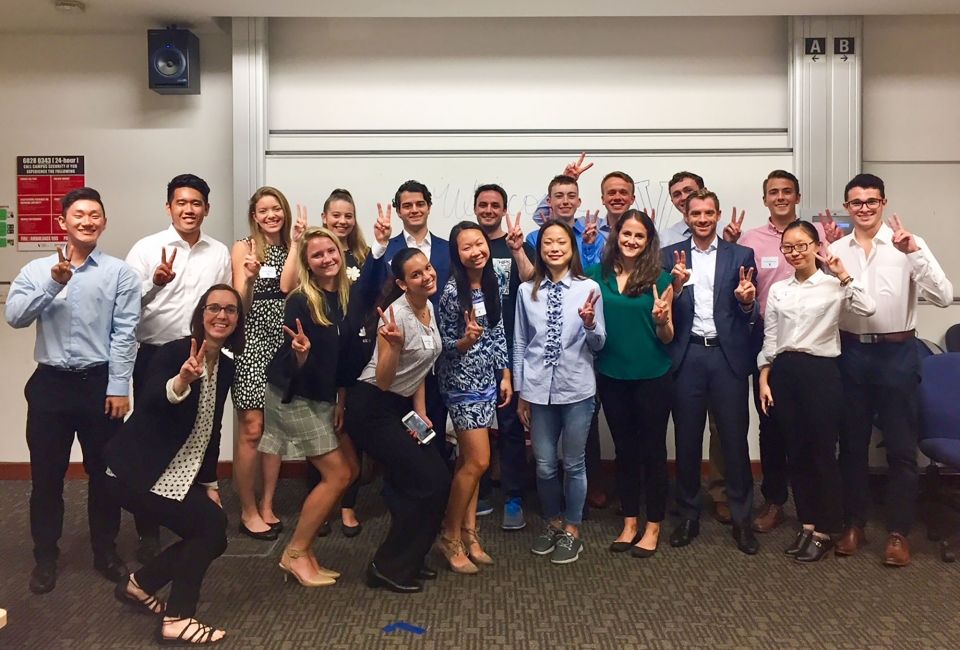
(350, 531)
(264, 536)
(426, 573)
(276, 526)
(623, 547)
(636, 551)
(684, 533)
(746, 540)
(149, 548)
(43, 578)
(110, 566)
(376, 579)
(815, 549)
(803, 537)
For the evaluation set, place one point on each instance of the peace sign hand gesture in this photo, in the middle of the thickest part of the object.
(61, 271)
(251, 265)
(731, 232)
(164, 273)
(746, 291)
(662, 306)
(300, 225)
(903, 241)
(587, 313)
(390, 331)
(299, 343)
(574, 169)
(592, 223)
(192, 368)
(835, 265)
(830, 227)
(473, 331)
(514, 233)
(680, 272)
(381, 227)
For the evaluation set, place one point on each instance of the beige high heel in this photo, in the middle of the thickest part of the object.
(319, 580)
(451, 548)
(472, 535)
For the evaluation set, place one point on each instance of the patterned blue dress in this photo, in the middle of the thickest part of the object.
(469, 381)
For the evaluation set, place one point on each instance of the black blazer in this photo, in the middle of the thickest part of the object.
(152, 436)
(734, 325)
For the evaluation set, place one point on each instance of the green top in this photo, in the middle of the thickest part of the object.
(632, 350)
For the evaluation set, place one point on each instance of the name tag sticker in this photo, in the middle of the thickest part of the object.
(769, 262)
(268, 271)
(427, 341)
(480, 309)
(693, 278)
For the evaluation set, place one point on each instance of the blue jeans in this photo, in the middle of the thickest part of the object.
(563, 428)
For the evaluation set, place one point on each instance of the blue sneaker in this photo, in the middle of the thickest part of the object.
(513, 514)
(484, 507)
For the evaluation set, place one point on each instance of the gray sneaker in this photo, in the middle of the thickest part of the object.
(567, 550)
(513, 514)
(546, 541)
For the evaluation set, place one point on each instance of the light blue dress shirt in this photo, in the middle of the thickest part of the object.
(589, 253)
(90, 320)
(572, 380)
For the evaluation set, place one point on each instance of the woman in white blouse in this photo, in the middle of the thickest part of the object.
(800, 381)
(163, 463)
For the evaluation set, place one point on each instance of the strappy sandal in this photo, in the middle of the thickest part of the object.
(450, 548)
(472, 537)
(194, 633)
(151, 605)
(319, 580)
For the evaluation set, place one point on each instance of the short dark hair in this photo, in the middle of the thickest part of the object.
(867, 182)
(785, 175)
(624, 176)
(679, 176)
(561, 179)
(490, 187)
(413, 187)
(235, 341)
(702, 194)
(191, 181)
(80, 194)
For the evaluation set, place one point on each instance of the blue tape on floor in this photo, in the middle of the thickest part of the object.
(405, 627)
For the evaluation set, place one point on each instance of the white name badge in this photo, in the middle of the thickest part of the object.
(693, 278)
(268, 271)
(769, 262)
(480, 309)
(427, 341)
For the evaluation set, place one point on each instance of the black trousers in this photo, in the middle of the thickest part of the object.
(880, 380)
(637, 412)
(808, 408)
(705, 380)
(62, 403)
(512, 447)
(145, 526)
(773, 452)
(201, 525)
(417, 478)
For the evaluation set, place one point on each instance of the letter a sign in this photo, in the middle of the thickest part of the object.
(815, 46)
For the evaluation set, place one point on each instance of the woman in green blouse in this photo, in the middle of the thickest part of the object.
(634, 379)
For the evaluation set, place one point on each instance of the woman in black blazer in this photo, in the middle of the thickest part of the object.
(163, 463)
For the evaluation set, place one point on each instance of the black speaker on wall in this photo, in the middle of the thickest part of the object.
(173, 61)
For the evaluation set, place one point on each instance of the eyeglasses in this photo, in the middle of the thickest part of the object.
(214, 308)
(786, 249)
(856, 204)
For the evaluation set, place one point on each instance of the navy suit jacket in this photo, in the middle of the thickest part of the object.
(734, 325)
(376, 271)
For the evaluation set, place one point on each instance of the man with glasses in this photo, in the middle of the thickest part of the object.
(879, 362)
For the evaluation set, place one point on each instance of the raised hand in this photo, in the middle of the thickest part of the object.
(192, 368)
(574, 169)
(903, 241)
(299, 343)
(746, 291)
(381, 227)
(592, 229)
(830, 227)
(587, 312)
(835, 265)
(662, 306)
(164, 273)
(680, 272)
(390, 331)
(61, 271)
(473, 331)
(300, 225)
(514, 233)
(731, 232)
(251, 265)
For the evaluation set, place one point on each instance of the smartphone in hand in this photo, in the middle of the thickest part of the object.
(415, 423)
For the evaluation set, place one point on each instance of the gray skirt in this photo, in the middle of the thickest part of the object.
(301, 429)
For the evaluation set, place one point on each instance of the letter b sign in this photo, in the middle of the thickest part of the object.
(843, 45)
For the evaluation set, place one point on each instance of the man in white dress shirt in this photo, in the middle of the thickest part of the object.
(175, 266)
(880, 364)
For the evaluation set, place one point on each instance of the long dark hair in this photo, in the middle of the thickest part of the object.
(811, 232)
(235, 341)
(488, 280)
(540, 270)
(390, 290)
(647, 269)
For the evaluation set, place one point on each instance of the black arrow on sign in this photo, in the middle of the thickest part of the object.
(814, 57)
(843, 58)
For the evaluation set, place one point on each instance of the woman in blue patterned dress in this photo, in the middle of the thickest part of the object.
(474, 376)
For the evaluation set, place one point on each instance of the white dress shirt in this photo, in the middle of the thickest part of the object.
(703, 268)
(378, 249)
(804, 316)
(895, 281)
(167, 310)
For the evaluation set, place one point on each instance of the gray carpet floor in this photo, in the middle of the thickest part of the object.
(707, 595)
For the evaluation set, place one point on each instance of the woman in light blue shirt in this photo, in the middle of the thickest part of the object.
(559, 329)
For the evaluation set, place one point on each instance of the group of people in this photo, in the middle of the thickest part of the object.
(331, 347)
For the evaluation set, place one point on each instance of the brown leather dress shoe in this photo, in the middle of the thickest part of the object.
(771, 516)
(721, 512)
(897, 552)
(851, 540)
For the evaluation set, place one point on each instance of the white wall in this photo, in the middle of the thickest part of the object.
(88, 95)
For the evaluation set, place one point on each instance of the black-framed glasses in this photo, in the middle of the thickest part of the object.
(802, 247)
(856, 204)
(214, 308)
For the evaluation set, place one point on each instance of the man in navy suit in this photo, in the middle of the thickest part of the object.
(714, 311)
